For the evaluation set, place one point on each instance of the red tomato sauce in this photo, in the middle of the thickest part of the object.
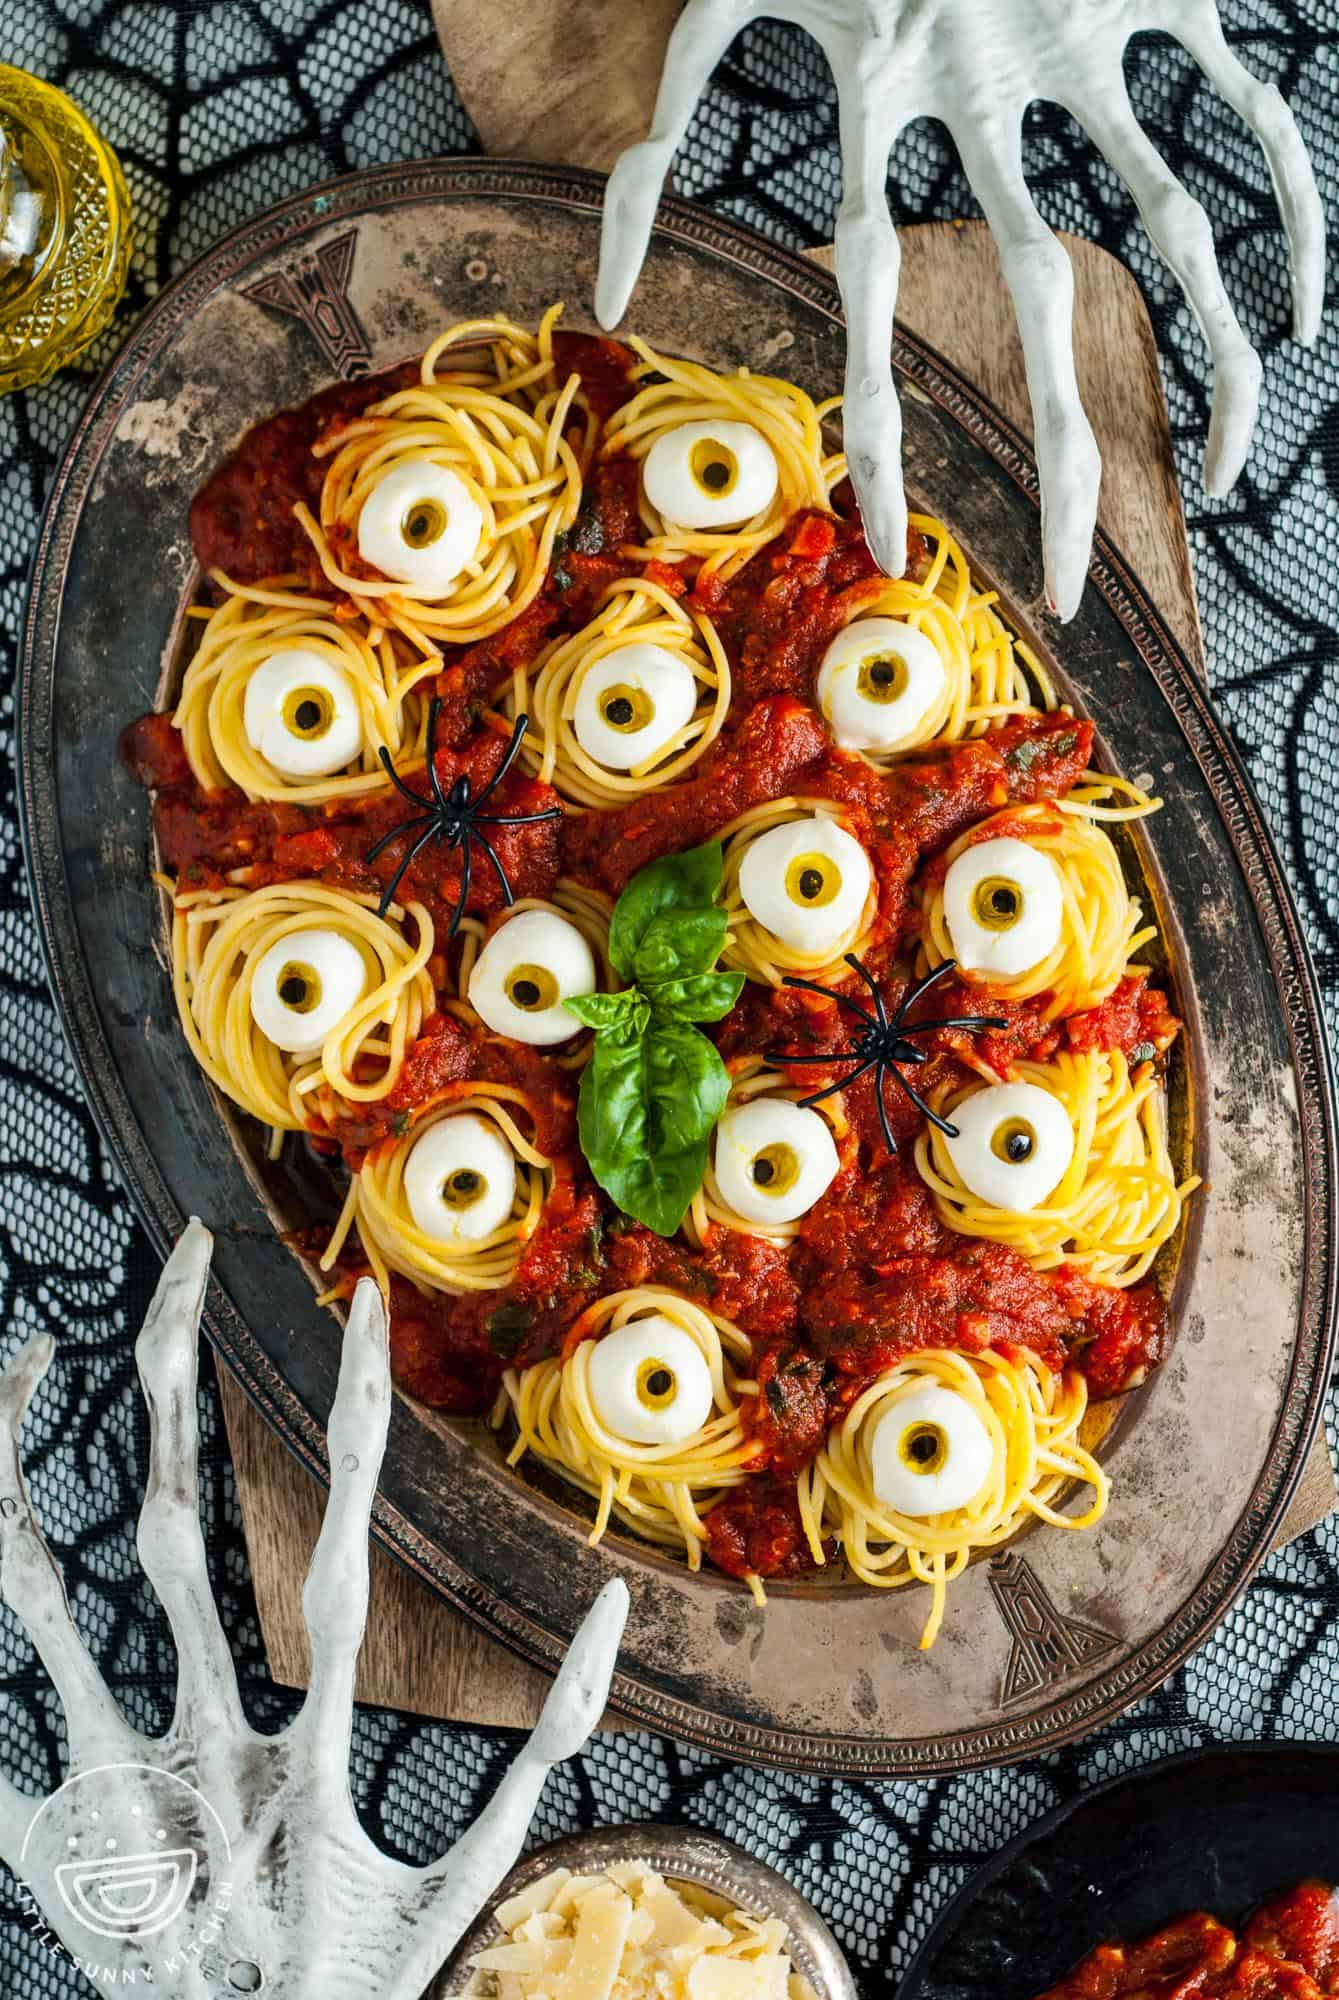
(872, 1275)
(1289, 1950)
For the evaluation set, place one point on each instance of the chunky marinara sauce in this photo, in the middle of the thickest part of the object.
(1289, 1950)
(873, 1275)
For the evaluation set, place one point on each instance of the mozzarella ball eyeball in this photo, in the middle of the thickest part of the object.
(303, 986)
(460, 1179)
(1003, 906)
(650, 1383)
(878, 682)
(300, 714)
(530, 965)
(710, 475)
(773, 1159)
(421, 525)
(930, 1453)
(1014, 1145)
(806, 883)
(632, 703)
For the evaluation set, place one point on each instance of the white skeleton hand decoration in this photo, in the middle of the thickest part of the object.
(977, 65)
(216, 1860)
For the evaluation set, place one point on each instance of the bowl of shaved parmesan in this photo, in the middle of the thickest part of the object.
(646, 1913)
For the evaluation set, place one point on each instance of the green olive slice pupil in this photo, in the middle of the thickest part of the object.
(299, 987)
(1014, 1142)
(997, 904)
(424, 523)
(308, 712)
(924, 1448)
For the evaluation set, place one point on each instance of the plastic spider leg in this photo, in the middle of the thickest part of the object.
(466, 876)
(508, 896)
(405, 791)
(881, 1105)
(842, 1083)
(509, 756)
(430, 833)
(1183, 237)
(842, 999)
(1259, 106)
(873, 985)
(941, 1124)
(516, 819)
(446, 803)
(378, 847)
(1041, 283)
(703, 33)
(978, 1021)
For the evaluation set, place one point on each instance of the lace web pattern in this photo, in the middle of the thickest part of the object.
(219, 109)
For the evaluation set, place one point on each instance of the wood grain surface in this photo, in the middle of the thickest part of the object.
(420, 1655)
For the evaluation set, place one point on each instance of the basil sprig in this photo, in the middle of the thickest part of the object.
(654, 1085)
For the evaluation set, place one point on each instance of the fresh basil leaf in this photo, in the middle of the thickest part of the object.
(629, 1009)
(702, 996)
(676, 885)
(678, 944)
(646, 1110)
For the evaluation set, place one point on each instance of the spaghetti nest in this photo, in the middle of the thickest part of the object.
(513, 434)
(269, 622)
(1032, 1419)
(634, 611)
(789, 421)
(661, 1491)
(1118, 1201)
(989, 673)
(219, 938)
(750, 947)
(750, 1079)
(1101, 926)
(378, 1202)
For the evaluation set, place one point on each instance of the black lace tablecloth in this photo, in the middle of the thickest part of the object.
(219, 109)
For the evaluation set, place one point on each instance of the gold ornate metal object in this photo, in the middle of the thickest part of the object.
(64, 231)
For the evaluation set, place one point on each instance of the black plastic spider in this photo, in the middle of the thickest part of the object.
(881, 1042)
(454, 817)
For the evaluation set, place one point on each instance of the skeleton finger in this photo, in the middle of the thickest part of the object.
(1260, 106)
(457, 1886)
(868, 262)
(30, 1582)
(1041, 282)
(1183, 236)
(171, 1546)
(334, 1597)
(702, 34)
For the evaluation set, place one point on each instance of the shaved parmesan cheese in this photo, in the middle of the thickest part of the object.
(631, 1935)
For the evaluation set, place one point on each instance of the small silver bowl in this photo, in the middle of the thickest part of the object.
(682, 1854)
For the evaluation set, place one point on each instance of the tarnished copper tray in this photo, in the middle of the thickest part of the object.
(1049, 1637)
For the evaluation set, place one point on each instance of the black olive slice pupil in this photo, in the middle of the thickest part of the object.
(715, 475)
(659, 1382)
(293, 991)
(763, 1172)
(308, 714)
(1018, 1146)
(923, 1447)
(811, 883)
(1003, 902)
(881, 674)
(464, 1181)
(619, 711)
(525, 993)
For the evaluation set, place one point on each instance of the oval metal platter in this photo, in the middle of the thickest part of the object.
(1055, 1633)
(1220, 1830)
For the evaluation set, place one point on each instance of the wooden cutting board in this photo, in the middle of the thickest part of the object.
(420, 1655)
